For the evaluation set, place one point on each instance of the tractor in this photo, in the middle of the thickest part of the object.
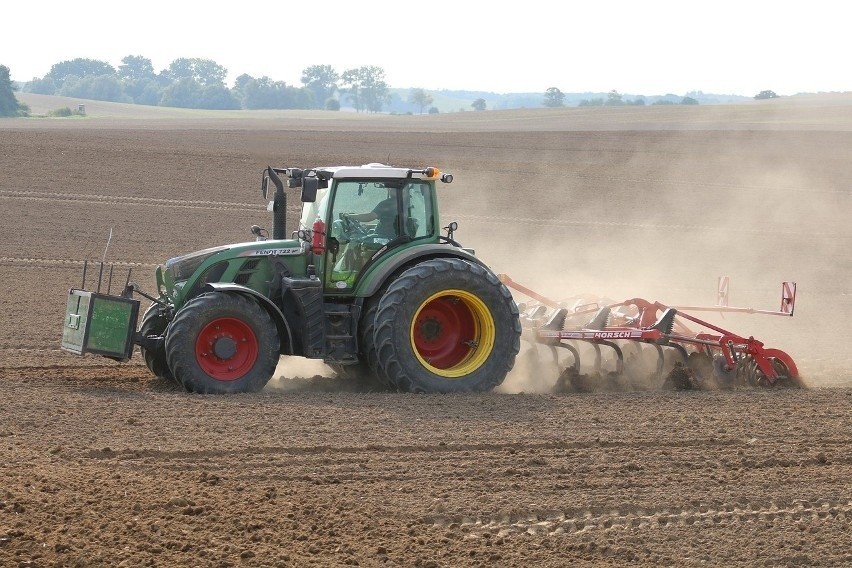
(368, 283)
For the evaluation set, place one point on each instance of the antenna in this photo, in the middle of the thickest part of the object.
(101, 272)
(107, 245)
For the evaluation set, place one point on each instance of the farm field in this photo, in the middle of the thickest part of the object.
(102, 465)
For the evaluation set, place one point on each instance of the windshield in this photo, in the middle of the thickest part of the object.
(368, 215)
(377, 205)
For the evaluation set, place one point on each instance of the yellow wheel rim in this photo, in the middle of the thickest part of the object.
(452, 333)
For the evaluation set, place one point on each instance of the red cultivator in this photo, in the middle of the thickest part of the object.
(652, 344)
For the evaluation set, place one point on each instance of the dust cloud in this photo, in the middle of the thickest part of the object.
(661, 216)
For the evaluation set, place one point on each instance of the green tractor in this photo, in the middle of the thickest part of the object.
(368, 284)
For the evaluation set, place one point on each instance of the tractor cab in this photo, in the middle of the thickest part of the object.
(361, 213)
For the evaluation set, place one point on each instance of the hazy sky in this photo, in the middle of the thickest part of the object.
(656, 47)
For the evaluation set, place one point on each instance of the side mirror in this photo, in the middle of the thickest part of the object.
(309, 189)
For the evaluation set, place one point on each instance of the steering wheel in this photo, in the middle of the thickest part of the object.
(352, 227)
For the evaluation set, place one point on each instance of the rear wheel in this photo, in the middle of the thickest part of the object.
(154, 322)
(222, 343)
(446, 325)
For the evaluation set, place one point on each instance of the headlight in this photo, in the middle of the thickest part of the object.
(182, 267)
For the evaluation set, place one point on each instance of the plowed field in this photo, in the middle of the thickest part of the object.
(102, 465)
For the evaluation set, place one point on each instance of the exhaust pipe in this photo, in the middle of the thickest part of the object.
(279, 207)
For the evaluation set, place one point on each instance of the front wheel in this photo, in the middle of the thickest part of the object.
(154, 322)
(446, 325)
(222, 343)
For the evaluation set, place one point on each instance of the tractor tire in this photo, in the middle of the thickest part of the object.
(222, 343)
(446, 325)
(155, 323)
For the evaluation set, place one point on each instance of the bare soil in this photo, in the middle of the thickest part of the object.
(103, 465)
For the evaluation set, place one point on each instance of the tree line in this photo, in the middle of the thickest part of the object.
(554, 98)
(200, 83)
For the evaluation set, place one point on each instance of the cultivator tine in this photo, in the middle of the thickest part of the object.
(660, 361)
(619, 356)
(681, 350)
(598, 358)
(574, 352)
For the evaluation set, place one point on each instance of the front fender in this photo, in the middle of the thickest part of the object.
(281, 323)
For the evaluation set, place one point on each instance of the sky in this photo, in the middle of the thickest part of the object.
(641, 48)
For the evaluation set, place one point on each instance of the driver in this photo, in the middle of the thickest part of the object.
(385, 211)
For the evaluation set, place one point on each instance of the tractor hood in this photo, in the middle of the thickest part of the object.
(183, 267)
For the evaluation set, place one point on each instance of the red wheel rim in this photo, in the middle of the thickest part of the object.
(443, 331)
(226, 349)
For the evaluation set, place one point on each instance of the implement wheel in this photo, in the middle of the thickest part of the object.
(155, 323)
(222, 343)
(446, 325)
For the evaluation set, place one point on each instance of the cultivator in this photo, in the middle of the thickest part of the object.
(650, 344)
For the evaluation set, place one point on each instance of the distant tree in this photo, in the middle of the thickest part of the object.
(9, 105)
(46, 86)
(591, 102)
(79, 68)
(100, 88)
(614, 98)
(241, 82)
(218, 97)
(639, 101)
(420, 98)
(689, 101)
(663, 102)
(139, 79)
(143, 91)
(765, 95)
(266, 93)
(183, 93)
(205, 72)
(478, 104)
(321, 80)
(554, 98)
(366, 88)
(433, 110)
(332, 104)
(135, 68)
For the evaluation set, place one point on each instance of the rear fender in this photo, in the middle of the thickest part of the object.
(284, 332)
(376, 278)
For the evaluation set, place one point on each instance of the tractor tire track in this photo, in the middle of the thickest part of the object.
(130, 200)
(539, 522)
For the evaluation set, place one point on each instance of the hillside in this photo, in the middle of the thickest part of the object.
(803, 112)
